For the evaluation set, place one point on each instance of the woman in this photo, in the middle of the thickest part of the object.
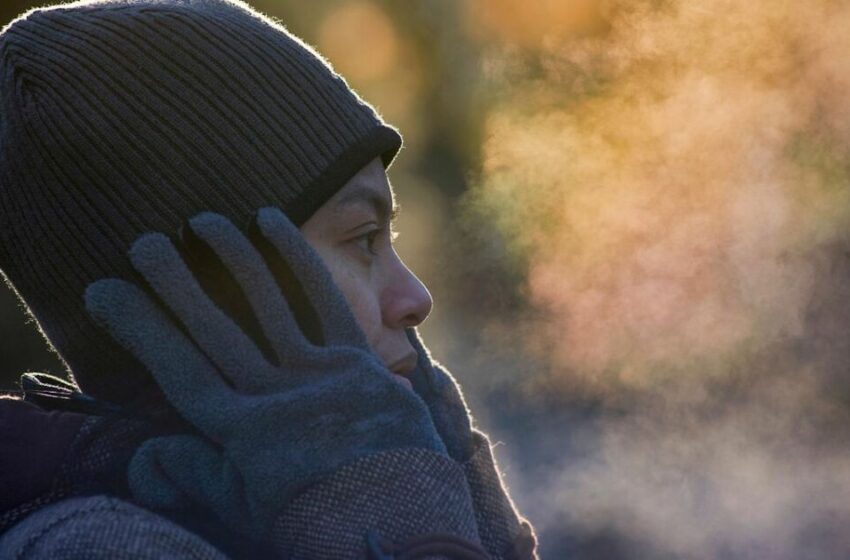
(196, 212)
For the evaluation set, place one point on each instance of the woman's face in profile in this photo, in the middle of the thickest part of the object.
(352, 232)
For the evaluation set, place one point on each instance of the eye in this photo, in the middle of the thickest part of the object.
(367, 241)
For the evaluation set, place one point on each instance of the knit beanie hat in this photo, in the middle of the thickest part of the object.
(120, 117)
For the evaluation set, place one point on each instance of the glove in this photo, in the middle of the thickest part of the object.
(267, 427)
(503, 532)
(436, 386)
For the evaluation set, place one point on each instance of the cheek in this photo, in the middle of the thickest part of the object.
(362, 299)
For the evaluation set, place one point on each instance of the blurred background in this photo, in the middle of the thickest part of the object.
(634, 218)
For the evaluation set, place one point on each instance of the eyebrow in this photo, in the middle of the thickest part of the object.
(386, 210)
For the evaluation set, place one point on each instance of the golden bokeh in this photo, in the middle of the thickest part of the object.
(360, 40)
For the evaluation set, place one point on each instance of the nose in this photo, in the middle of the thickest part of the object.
(405, 301)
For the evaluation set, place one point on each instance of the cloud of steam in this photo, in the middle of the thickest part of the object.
(667, 211)
(673, 177)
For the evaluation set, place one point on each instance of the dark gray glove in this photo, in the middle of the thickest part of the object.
(445, 401)
(267, 427)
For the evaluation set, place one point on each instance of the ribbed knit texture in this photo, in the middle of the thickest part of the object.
(122, 117)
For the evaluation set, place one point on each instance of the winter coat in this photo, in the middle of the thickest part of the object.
(63, 495)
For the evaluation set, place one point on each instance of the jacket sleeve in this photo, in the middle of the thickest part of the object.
(404, 495)
(504, 533)
(406, 500)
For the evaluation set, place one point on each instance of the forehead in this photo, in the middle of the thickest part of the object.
(369, 187)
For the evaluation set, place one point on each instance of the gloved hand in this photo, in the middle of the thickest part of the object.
(268, 427)
(441, 393)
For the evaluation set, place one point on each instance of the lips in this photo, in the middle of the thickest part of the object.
(404, 367)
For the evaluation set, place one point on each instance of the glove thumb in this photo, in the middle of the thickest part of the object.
(184, 472)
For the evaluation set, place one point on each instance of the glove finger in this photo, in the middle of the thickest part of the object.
(217, 335)
(432, 381)
(338, 324)
(258, 285)
(422, 377)
(446, 404)
(134, 320)
(177, 472)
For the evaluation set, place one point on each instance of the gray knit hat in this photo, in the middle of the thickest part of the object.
(126, 116)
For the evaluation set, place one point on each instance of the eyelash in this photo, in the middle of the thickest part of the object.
(370, 237)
